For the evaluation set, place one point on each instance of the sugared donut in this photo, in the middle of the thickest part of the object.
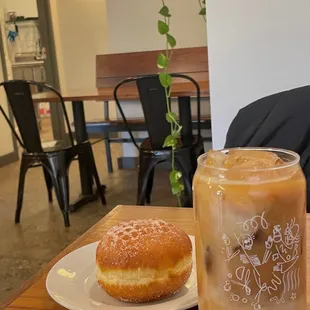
(143, 260)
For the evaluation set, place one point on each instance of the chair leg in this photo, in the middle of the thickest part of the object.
(200, 150)
(150, 186)
(64, 191)
(146, 166)
(108, 153)
(187, 175)
(21, 184)
(187, 163)
(60, 180)
(49, 184)
(100, 187)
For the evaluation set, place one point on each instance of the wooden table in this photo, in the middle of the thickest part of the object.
(77, 97)
(33, 294)
(125, 93)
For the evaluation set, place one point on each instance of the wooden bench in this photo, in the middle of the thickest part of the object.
(114, 68)
(102, 127)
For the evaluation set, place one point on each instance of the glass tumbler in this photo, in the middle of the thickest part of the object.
(250, 211)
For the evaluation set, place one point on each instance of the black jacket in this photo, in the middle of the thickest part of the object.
(281, 120)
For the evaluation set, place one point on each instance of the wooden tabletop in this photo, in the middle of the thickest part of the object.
(125, 93)
(33, 294)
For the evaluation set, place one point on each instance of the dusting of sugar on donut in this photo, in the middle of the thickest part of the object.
(143, 260)
(128, 237)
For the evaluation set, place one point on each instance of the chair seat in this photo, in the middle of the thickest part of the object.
(56, 146)
(55, 161)
(146, 145)
(185, 162)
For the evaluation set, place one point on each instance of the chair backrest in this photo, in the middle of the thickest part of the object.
(20, 101)
(111, 69)
(154, 105)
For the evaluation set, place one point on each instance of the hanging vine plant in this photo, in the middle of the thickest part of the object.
(203, 10)
(166, 80)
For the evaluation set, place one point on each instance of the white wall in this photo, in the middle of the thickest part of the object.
(85, 28)
(6, 141)
(256, 48)
(27, 8)
(6, 144)
(80, 30)
(81, 36)
(132, 25)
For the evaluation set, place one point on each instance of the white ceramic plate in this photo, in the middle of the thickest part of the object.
(72, 283)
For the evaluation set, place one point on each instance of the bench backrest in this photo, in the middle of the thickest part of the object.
(113, 68)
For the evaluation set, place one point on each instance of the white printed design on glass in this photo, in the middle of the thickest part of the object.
(281, 252)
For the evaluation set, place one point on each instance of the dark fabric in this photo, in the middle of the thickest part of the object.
(281, 120)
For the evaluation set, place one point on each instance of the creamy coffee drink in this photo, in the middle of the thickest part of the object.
(250, 208)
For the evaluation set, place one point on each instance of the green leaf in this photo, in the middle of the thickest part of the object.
(177, 188)
(203, 11)
(176, 137)
(164, 11)
(162, 61)
(171, 117)
(165, 79)
(204, 1)
(175, 176)
(169, 80)
(170, 141)
(171, 40)
(179, 130)
(163, 28)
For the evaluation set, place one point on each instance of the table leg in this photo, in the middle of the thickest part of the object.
(185, 114)
(86, 178)
(107, 139)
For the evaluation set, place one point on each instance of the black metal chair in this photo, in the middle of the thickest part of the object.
(54, 160)
(151, 151)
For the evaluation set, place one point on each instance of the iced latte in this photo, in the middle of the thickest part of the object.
(250, 209)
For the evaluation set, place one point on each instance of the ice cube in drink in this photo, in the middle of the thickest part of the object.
(250, 213)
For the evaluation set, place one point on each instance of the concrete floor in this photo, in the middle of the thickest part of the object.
(26, 247)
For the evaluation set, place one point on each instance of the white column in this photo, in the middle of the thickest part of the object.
(256, 48)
